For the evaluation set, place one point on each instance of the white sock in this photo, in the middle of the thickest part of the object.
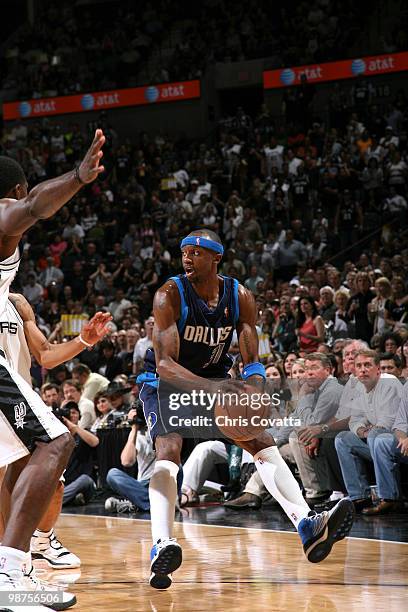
(12, 559)
(281, 483)
(163, 495)
(28, 563)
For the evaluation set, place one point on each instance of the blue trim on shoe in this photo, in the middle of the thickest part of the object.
(165, 558)
(320, 532)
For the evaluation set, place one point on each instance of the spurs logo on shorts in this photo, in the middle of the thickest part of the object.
(20, 412)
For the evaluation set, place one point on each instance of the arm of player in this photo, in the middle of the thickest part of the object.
(246, 330)
(166, 342)
(16, 216)
(50, 355)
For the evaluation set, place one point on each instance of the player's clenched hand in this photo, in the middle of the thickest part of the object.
(90, 168)
(96, 328)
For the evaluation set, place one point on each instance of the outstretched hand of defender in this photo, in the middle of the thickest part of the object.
(90, 167)
(96, 328)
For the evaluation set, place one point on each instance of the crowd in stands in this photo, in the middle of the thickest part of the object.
(69, 49)
(313, 220)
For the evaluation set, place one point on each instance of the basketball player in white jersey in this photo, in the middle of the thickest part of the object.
(43, 436)
(19, 335)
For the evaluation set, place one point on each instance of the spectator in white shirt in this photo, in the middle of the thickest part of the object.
(92, 382)
(73, 229)
(119, 305)
(51, 274)
(72, 391)
(294, 163)
(274, 156)
(373, 412)
(33, 291)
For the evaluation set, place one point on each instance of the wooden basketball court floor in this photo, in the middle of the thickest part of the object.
(228, 569)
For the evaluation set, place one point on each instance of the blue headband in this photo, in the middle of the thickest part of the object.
(202, 242)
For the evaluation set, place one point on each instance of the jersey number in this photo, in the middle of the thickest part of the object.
(216, 354)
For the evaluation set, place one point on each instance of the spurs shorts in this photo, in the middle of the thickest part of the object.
(24, 418)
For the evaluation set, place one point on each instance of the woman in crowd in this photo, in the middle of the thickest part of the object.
(103, 409)
(288, 363)
(309, 325)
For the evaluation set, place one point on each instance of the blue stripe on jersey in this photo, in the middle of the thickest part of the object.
(236, 301)
(181, 323)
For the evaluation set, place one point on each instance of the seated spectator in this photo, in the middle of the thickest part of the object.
(390, 342)
(119, 305)
(390, 363)
(284, 330)
(253, 280)
(108, 364)
(79, 485)
(33, 290)
(117, 394)
(139, 447)
(318, 407)
(142, 345)
(51, 274)
(198, 467)
(72, 391)
(297, 384)
(379, 306)
(91, 382)
(73, 230)
(103, 410)
(261, 259)
(327, 307)
(288, 362)
(340, 318)
(388, 451)
(374, 411)
(51, 394)
(132, 336)
(319, 439)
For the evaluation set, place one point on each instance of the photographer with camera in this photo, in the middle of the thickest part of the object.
(138, 448)
(79, 485)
